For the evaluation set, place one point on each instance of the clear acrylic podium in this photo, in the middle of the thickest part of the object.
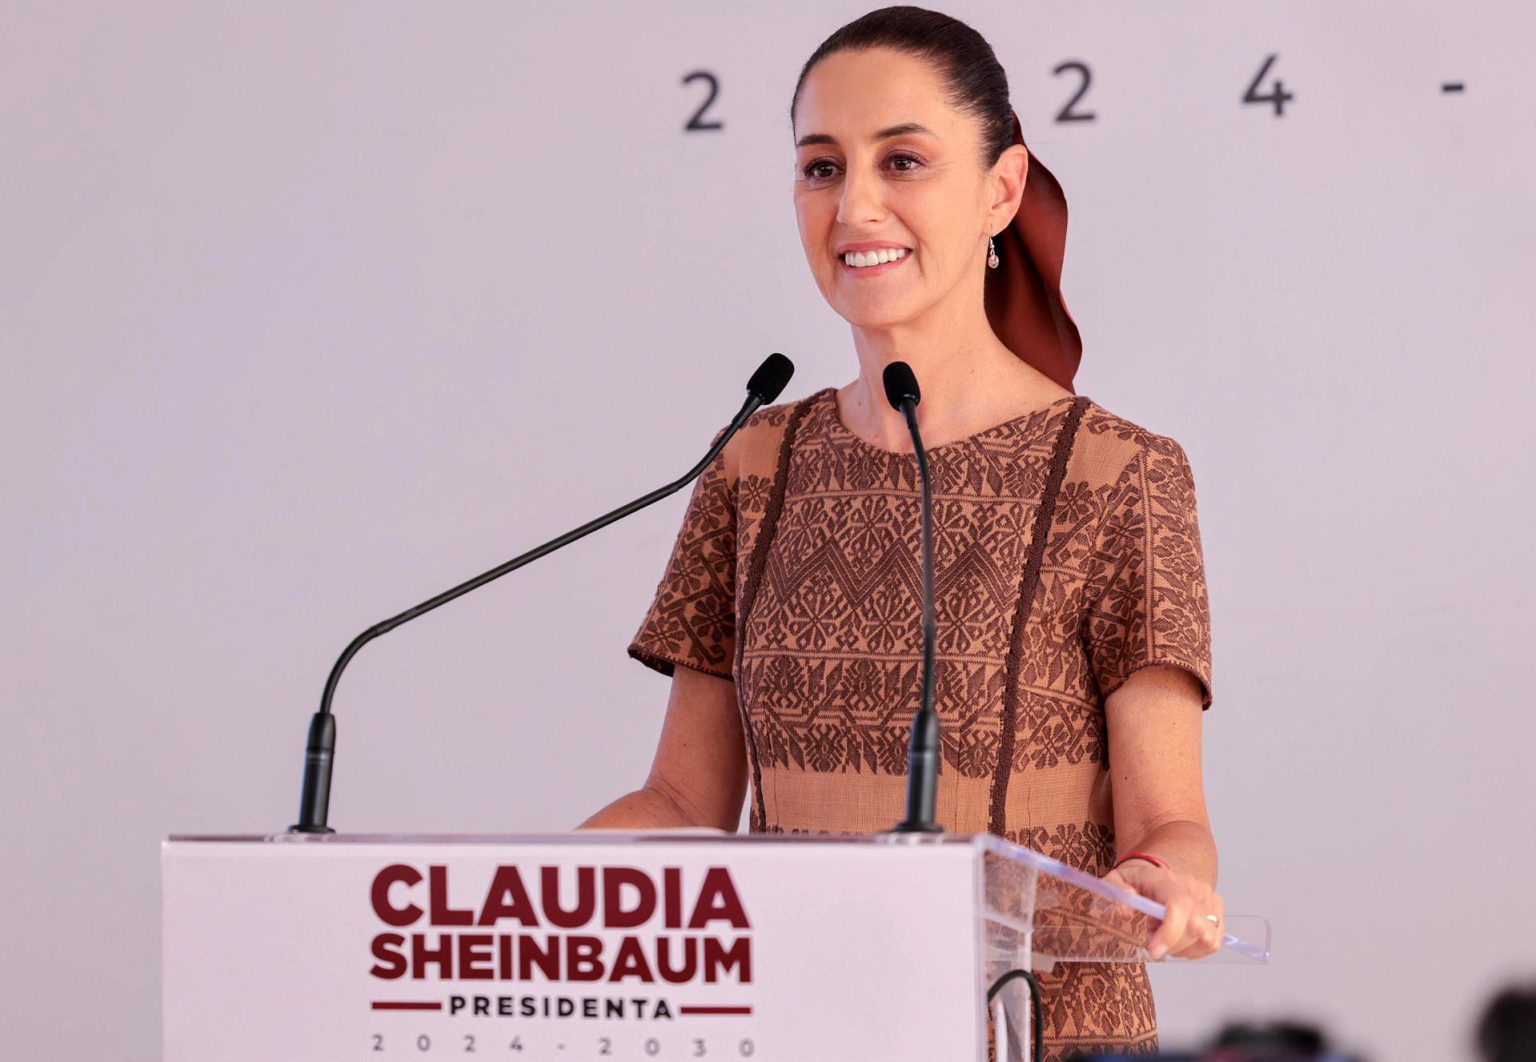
(598, 944)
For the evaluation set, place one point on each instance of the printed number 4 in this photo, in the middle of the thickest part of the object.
(1279, 97)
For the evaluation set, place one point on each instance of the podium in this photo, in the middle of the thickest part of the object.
(626, 945)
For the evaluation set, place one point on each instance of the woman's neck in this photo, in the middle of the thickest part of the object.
(969, 383)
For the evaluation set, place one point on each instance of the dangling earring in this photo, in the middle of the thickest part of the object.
(991, 254)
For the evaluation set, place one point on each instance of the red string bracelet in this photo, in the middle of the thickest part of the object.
(1140, 855)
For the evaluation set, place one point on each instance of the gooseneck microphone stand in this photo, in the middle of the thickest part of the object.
(923, 754)
(320, 753)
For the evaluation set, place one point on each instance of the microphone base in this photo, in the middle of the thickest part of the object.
(301, 828)
(917, 827)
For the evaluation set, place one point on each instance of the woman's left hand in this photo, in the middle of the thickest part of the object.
(1187, 932)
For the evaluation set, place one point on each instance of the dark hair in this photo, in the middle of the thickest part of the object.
(961, 56)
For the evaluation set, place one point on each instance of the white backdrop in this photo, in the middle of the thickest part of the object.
(310, 311)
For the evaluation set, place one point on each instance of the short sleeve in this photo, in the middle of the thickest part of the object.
(692, 620)
(1146, 592)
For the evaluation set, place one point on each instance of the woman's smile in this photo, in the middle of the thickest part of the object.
(869, 264)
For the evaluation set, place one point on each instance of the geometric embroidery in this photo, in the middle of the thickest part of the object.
(830, 666)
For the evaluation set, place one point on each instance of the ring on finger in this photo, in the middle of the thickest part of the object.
(1214, 920)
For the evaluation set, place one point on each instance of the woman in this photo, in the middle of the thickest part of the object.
(1071, 602)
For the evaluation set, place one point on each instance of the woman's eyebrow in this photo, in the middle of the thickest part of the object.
(885, 134)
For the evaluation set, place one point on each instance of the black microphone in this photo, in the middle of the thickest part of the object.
(320, 752)
(923, 757)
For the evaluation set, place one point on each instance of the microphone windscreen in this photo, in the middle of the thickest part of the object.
(900, 385)
(770, 378)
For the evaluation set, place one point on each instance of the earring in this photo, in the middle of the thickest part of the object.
(991, 254)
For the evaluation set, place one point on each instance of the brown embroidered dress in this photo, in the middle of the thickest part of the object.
(1067, 556)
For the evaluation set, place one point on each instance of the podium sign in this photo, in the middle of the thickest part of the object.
(673, 945)
(569, 947)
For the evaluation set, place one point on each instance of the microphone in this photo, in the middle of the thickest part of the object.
(923, 758)
(320, 752)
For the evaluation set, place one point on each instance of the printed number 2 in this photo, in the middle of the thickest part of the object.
(1067, 114)
(378, 1042)
(695, 124)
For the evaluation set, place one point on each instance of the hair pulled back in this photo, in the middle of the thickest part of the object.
(1023, 296)
(964, 61)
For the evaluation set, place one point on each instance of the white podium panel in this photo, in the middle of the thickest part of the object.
(570, 946)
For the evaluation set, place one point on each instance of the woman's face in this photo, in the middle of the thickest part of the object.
(923, 190)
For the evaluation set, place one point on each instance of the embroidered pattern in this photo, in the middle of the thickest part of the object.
(829, 659)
